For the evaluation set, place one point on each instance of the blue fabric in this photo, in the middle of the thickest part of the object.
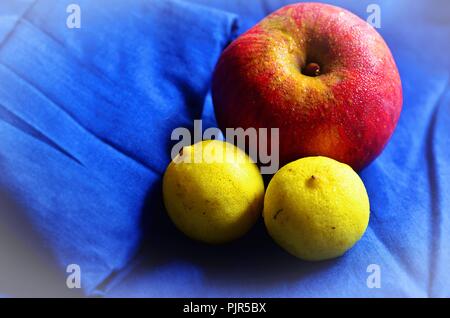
(85, 123)
(86, 116)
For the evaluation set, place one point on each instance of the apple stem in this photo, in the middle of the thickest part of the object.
(312, 69)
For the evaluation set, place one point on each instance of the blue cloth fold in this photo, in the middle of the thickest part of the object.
(85, 122)
(86, 116)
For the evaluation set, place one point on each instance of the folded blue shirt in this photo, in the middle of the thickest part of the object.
(85, 122)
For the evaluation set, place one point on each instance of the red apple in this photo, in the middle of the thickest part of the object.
(320, 74)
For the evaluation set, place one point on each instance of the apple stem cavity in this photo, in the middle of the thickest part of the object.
(311, 69)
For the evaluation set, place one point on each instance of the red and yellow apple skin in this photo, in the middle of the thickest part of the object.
(347, 113)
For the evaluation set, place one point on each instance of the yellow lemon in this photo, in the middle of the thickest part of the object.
(316, 208)
(213, 192)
